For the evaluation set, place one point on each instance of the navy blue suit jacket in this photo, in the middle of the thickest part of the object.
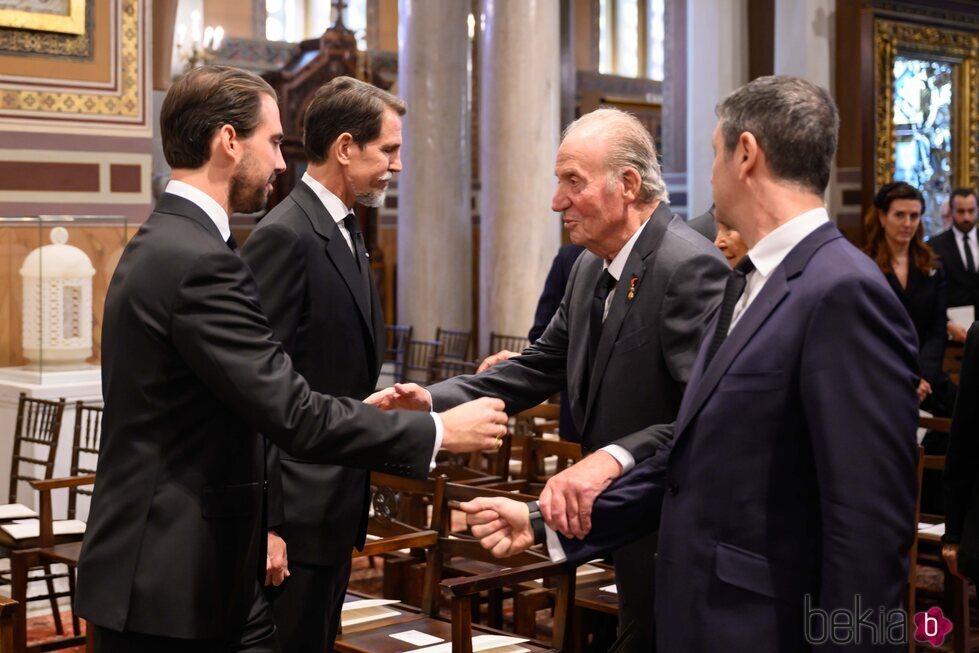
(793, 469)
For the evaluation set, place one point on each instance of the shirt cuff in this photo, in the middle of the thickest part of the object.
(622, 455)
(438, 438)
(554, 548)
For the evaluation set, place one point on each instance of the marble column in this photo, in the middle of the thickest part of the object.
(434, 189)
(519, 130)
(717, 62)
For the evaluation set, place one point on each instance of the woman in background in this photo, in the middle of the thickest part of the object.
(895, 241)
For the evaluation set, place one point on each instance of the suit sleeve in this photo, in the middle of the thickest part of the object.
(692, 295)
(626, 511)
(932, 346)
(523, 381)
(550, 298)
(218, 328)
(857, 386)
(962, 459)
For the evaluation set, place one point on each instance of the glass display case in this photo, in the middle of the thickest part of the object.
(54, 274)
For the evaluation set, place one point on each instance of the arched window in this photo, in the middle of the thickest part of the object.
(631, 34)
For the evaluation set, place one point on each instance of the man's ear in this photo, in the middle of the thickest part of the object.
(748, 153)
(226, 143)
(342, 146)
(631, 184)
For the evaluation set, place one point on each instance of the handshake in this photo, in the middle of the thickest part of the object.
(473, 426)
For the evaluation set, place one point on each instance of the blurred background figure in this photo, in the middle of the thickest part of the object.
(894, 236)
(729, 242)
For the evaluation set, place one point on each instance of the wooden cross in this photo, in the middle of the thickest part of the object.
(339, 6)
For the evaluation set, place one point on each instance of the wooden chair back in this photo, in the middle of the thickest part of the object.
(84, 449)
(499, 341)
(446, 368)
(420, 356)
(537, 450)
(455, 344)
(38, 425)
(396, 338)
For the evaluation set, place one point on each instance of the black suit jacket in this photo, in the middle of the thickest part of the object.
(332, 328)
(647, 346)
(190, 373)
(924, 300)
(962, 459)
(962, 287)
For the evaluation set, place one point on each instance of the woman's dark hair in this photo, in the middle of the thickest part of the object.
(920, 254)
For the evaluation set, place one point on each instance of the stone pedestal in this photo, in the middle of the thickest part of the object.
(434, 199)
(519, 117)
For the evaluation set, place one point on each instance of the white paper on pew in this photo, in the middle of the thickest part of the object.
(359, 612)
(16, 511)
(932, 529)
(495, 643)
(610, 588)
(30, 528)
(584, 570)
(964, 316)
(417, 638)
(372, 538)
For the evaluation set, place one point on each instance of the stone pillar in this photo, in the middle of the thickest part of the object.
(519, 118)
(434, 197)
(717, 62)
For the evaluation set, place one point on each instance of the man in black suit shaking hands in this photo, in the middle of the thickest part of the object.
(175, 546)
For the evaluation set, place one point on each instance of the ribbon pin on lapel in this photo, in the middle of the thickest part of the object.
(632, 288)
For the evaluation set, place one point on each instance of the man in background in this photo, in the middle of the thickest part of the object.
(958, 250)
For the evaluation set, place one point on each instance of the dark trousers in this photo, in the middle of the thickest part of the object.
(258, 636)
(306, 607)
(635, 567)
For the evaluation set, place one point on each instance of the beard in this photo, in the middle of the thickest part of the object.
(247, 194)
(371, 198)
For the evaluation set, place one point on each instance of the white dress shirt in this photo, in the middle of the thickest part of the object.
(220, 218)
(334, 206)
(205, 202)
(967, 239)
(771, 250)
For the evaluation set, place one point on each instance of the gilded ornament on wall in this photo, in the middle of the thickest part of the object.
(61, 16)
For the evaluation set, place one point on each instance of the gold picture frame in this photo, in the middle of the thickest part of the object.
(961, 49)
(73, 23)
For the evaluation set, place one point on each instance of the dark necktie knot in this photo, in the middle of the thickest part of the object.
(232, 243)
(351, 224)
(732, 293)
(604, 286)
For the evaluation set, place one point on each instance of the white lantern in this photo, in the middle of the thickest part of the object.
(57, 303)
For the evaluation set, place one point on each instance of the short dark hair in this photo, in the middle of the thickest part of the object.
(345, 105)
(962, 191)
(795, 122)
(200, 102)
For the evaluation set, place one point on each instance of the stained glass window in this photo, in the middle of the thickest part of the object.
(923, 132)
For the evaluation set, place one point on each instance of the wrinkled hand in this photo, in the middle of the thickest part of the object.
(477, 425)
(951, 554)
(568, 497)
(924, 389)
(502, 525)
(401, 396)
(492, 360)
(277, 563)
(957, 332)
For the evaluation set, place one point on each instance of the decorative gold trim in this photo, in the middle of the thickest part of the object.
(961, 49)
(124, 105)
(73, 23)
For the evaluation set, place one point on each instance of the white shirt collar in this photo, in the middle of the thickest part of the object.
(205, 202)
(333, 204)
(618, 263)
(771, 250)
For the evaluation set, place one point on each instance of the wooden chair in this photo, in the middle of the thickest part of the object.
(455, 344)
(84, 450)
(420, 356)
(8, 615)
(36, 434)
(446, 368)
(499, 341)
(396, 338)
(49, 550)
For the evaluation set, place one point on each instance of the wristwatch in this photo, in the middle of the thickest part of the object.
(537, 522)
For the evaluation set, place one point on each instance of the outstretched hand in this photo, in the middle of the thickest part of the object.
(493, 359)
(502, 525)
(401, 396)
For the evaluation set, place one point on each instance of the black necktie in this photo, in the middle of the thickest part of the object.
(970, 263)
(732, 293)
(360, 252)
(232, 243)
(606, 282)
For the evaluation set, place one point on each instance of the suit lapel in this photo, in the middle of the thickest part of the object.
(635, 268)
(777, 288)
(578, 317)
(171, 204)
(336, 248)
